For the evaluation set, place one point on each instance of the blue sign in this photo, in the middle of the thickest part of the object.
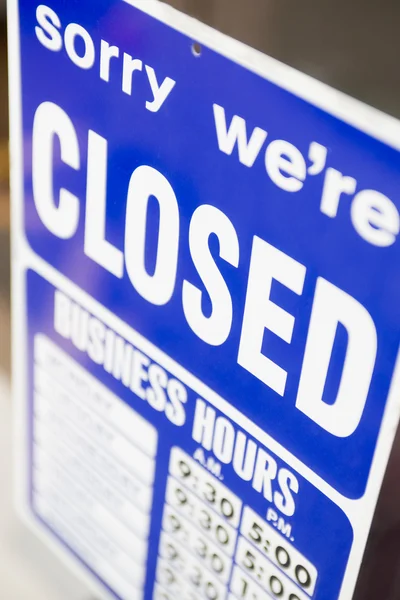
(212, 322)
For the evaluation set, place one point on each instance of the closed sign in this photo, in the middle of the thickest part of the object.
(206, 295)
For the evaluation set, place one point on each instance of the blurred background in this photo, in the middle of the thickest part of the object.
(353, 45)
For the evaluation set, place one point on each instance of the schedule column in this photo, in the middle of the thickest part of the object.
(93, 469)
(198, 540)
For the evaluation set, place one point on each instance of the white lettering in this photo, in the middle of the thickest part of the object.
(285, 165)
(49, 24)
(265, 473)
(335, 185)
(86, 61)
(267, 263)
(96, 246)
(250, 461)
(317, 154)
(158, 287)
(62, 315)
(375, 218)
(237, 134)
(177, 394)
(107, 52)
(284, 500)
(61, 218)
(332, 306)
(49, 35)
(130, 66)
(224, 440)
(203, 424)
(160, 93)
(148, 380)
(215, 328)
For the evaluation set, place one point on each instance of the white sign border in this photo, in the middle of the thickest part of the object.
(353, 112)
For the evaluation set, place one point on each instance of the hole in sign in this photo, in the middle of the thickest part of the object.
(196, 49)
